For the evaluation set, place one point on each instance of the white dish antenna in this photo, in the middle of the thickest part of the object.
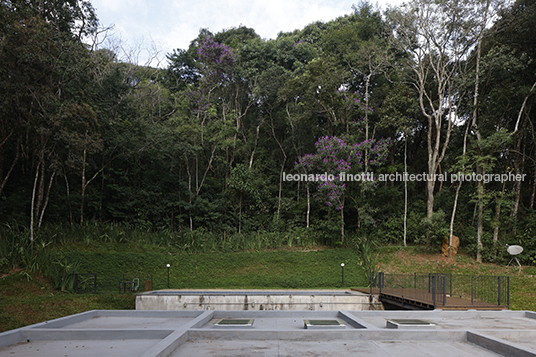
(514, 249)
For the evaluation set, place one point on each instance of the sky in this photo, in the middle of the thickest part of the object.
(143, 29)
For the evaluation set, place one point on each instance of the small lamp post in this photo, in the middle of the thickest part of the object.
(342, 271)
(168, 275)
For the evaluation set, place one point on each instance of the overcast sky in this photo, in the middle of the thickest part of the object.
(169, 24)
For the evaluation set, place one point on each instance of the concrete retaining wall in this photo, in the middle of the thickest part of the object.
(303, 300)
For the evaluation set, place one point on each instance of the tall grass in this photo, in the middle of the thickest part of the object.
(45, 254)
(18, 250)
(196, 241)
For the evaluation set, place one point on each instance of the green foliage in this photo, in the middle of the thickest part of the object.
(429, 232)
(366, 251)
(190, 157)
(17, 250)
(391, 231)
(436, 229)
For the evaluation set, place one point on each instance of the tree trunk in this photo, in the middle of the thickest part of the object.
(189, 191)
(68, 199)
(282, 168)
(308, 204)
(32, 208)
(367, 83)
(240, 215)
(455, 207)
(280, 195)
(480, 205)
(430, 184)
(83, 193)
(517, 186)
(17, 155)
(533, 194)
(497, 221)
(255, 145)
(46, 199)
(405, 191)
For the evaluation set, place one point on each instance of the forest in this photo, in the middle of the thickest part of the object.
(402, 126)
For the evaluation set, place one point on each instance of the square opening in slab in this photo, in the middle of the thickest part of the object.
(234, 323)
(409, 324)
(323, 324)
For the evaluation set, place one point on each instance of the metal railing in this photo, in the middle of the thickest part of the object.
(491, 289)
(424, 289)
(437, 289)
(90, 283)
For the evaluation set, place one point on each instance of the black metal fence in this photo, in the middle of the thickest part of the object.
(440, 289)
(90, 283)
(491, 289)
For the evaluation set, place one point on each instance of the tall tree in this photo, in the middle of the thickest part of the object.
(437, 36)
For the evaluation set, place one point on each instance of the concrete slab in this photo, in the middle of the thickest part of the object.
(160, 323)
(151, 333)
(74, 348)
(335, 348)
(278, 320)
(505, 319)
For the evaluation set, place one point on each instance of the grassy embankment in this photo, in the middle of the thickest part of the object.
(26, 300)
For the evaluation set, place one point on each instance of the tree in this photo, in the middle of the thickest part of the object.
(437, 37)
(363, 48)
(334, 159)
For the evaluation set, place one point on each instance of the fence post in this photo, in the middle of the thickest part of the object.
(444, 290)
(415, 280)
(472, 289)
(370, 281)
(450, 285)
(434, 288)
(499, 295)
(380, 278)
(95, 282)
(508, 282)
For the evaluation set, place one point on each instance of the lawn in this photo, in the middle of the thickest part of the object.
(28, 299)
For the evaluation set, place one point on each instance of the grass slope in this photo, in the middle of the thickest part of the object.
(285, 269)
(27, 300)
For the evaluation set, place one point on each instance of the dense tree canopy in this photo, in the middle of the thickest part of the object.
(208, 143)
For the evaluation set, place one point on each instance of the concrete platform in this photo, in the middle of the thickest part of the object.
(329, 348)
(275, 333)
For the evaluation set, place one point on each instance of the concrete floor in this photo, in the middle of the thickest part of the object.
(504, 319)
(75, 348)
(126, 322)
(275, 333)
(335, 348)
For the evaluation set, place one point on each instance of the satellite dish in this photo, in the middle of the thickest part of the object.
(514, 249)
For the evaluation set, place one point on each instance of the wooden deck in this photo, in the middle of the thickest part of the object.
(423, 300)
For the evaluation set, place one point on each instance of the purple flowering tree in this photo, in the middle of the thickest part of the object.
(218, 61)
(334, 160)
